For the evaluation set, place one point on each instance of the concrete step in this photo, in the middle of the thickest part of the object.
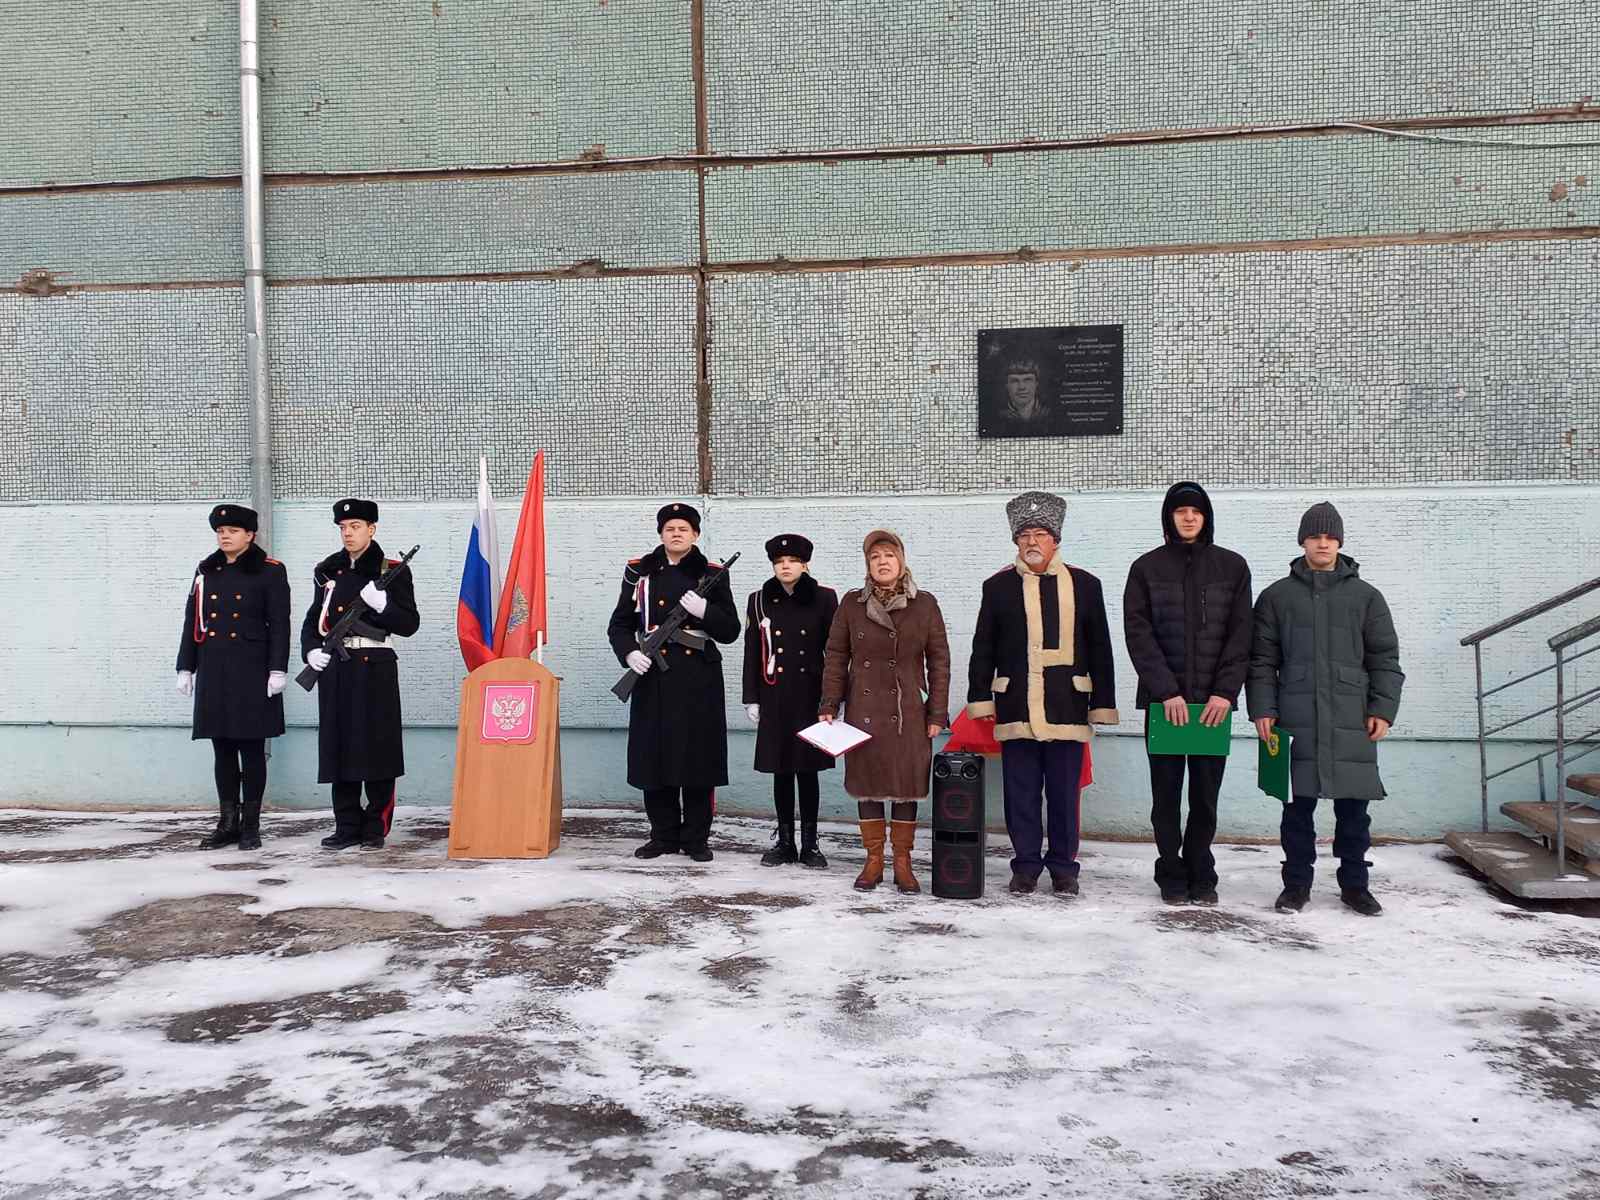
(1584, 783)
(1583, 824)
(1522, 866)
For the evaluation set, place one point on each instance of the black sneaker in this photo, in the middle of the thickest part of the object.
(1205, 897)
(373, 841)
(654, 849)
(698, 853)
(1020, 884)
(783, 851)
(1292, 899)
(1174, 895)
(1064, 885)
(341, 841)
(1362, 901)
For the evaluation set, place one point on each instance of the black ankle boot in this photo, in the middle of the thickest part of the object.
(227, 831)
(810, 856)
(250, 825)
(783, 851)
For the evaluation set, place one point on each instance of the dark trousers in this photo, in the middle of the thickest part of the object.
(1029, 769)
(1352, 838)
(1183, 852)
(783, 789)
(671, 825)
(351, 820)
(240, 762)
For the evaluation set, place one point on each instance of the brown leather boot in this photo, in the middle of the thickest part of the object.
(902, 834)
(872, 838)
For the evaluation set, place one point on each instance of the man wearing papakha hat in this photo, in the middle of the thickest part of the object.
(1042, 668)
(677, 726)
(1325, 665)
(358, 698)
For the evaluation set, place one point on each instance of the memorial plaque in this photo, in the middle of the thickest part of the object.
(1064, 381)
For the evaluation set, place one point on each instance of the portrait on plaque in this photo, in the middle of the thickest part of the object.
(1060, 381)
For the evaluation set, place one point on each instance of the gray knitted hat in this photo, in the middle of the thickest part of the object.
(1322, 518)
(1039, 510)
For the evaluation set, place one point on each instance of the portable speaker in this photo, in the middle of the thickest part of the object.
(958, 792)
(958, 864)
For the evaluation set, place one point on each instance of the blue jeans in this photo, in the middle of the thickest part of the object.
(1352, 838)
(1049, 771)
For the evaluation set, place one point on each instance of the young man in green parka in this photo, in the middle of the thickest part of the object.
(1325, 665)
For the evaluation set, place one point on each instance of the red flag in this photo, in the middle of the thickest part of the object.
(522, 600)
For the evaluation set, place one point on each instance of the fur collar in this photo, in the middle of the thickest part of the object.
(250, 562)
(1056, 567)
(693, 562)
(805, 590)
(369, 564)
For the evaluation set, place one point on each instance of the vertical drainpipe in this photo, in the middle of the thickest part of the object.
(258, 387)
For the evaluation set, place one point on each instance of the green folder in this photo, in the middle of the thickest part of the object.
(1163, 737)
(1272, 764)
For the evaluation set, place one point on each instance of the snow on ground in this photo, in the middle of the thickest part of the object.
(291, 1022)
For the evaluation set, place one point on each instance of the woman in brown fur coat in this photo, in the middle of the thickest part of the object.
(888, 660)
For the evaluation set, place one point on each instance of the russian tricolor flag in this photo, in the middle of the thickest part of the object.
(480, 584)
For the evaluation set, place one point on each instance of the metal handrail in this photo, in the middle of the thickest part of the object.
(1585, 697)
(1541, 671)
(1580, 741)
(1527, 614)
(1559, 644)
(1576, 634)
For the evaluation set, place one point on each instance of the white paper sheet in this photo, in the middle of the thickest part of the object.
(834, 737)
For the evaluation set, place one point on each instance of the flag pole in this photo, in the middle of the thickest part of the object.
(538, 647)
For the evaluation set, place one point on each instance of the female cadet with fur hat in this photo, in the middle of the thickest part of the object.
(233, 658)
(785, 635)
(888, 661)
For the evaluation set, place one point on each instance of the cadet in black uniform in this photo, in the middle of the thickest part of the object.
(786, 627)
(232, 658)
(677, 728)
(358, 698)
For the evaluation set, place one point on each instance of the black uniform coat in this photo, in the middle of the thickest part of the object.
(358, 699)
(677, 727)
(784, 638)
(1041, 662)
(232, 640)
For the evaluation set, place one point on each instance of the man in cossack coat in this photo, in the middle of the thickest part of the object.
(358, 698)
(1042, 668)
(677, 727)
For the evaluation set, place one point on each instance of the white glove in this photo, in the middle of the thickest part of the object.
(185, 683)
(275, 682)
(694, 604)
(753, 711)
(377, 599)
(639, 661)
(318, 659)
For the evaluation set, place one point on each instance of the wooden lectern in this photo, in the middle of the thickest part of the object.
(508, 763)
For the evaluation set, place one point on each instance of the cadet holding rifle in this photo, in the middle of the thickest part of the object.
(677, 727)
(358, 697)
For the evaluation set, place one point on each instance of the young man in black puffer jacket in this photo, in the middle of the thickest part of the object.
(1186, 615)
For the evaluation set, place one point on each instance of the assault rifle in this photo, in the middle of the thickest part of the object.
(354, 611)
(671, 629)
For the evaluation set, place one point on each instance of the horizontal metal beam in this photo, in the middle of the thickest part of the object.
(596, 161)
(597, 269)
